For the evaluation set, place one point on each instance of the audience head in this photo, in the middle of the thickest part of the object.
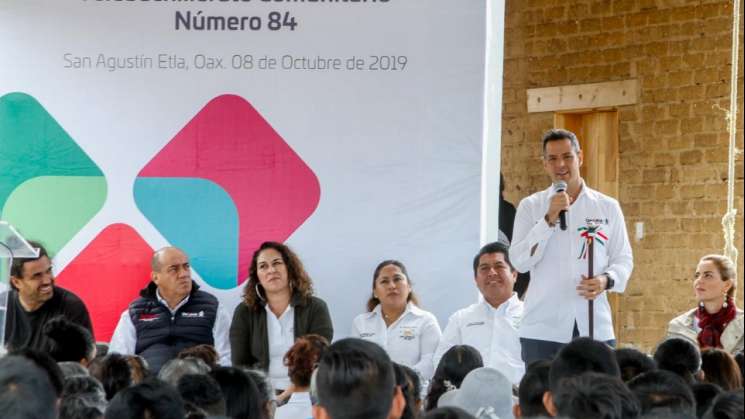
(242, 398)
(455, 363)
(47, 365)
(303, 357)
(68, 341)
(202, 391)
(139, 368)
(267, 398)
(595, 395)
(633, 362)
(704, 393)
(720, 368)
(25, 390)
(449, 412)
(728, 405)
(532, 387)
(408, 381)
(82, 397)
(740, 361)
(494, 274)
(151, 398)
(271, 256)
(662, 389)
(176, 368)
(114, 372)
(718, 275)
(356, 380)
(679, 356)
(387, 275)
(483, 391)
(206, 353)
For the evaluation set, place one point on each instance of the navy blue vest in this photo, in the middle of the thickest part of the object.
(160, 336)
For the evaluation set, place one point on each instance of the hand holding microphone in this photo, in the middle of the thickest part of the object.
(559, 205)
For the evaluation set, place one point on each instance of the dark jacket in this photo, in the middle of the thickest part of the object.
(160, 335)
(249, 342)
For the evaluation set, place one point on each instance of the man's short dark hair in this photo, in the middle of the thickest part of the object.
(557, 134)
(151, 398)
(495, 247)
(662, 389)
(242, 397)
(114, 372)
(705, 393)
(355, 380)
(47, 364)
(82, 397)
(25, 390)
(679, 356)
(728, 405)
(532, 387)
(579, 356)
(203, 392)
(16, 268)
(595, 395)
(68, 341)
(633, 362)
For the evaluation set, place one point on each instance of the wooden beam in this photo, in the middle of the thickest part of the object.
(583, 96)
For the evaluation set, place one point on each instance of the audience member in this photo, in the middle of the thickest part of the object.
(300, 360)
(490, 325)
(449, 412)
(716, 322)
(633, 362)
(47, 365)
(139, 368)
(242, 398)
(595, 395)
(151, 398)
(114, 372)
(68, 341)
(454, 365)
(661, 389)
(485, 392)
(82, 397)
(681, 357)
(579, 356)
(728, 405)
(171, 314)
(530, 392)
(206, 353)
(392, 313)
(356, 380)
(176, 368)
(202, 391)
(268, 399)
(34, 300)
(720, 368)
(408, 380)
(278, 307)
(25, 390)
(704, 393)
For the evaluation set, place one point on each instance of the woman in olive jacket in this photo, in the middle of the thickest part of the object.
(278, 306)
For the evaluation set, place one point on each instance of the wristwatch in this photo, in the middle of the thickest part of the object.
(609, 283)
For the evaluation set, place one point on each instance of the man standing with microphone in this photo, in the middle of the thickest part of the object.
(550, 241)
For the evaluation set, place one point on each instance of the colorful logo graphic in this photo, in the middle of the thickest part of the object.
(226, 182)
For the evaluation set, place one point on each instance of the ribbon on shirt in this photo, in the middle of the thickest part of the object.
(589, 233)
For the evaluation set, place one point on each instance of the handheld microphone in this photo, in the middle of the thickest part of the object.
(561, 186)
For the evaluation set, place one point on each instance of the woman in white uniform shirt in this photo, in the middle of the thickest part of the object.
(394, 321)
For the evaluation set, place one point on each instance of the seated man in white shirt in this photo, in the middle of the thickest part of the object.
(171, 314)
(490, 325)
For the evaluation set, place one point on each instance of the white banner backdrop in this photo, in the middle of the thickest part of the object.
(366, 122)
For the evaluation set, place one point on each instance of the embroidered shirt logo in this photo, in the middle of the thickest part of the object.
(475, 324)
(193, 315)
(408, 333)
(148, 317)
(366, 334)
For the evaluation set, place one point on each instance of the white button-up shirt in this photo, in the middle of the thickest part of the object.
(411, 340)
(557, 260)
(492, 331)
(124, 339)
(281, 334)
(298, 407)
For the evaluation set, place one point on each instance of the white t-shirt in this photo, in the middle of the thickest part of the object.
(411, 340)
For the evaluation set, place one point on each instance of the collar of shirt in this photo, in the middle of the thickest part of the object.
(290, 309)
(504, 307)
(165, 303)
(411, 308)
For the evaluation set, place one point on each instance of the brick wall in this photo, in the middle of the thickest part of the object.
(673, 143)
